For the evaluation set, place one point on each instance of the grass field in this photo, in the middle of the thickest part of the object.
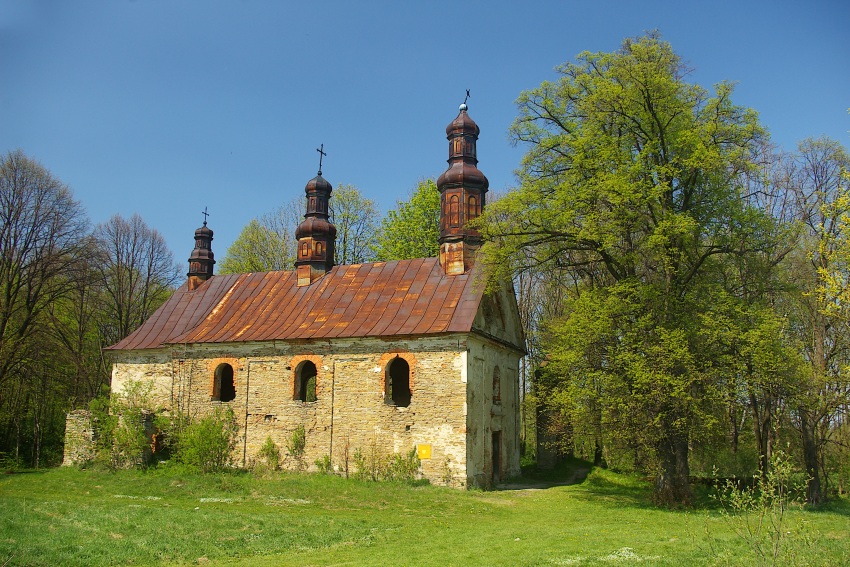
(73, 517)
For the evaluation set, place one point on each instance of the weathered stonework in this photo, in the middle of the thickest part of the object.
(79, 438)
(450, 410)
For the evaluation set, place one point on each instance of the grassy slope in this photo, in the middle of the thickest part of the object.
(72, 517)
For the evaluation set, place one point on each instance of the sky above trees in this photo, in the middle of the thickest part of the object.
(162, 109)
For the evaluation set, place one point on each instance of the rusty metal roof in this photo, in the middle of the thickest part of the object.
(406, 297)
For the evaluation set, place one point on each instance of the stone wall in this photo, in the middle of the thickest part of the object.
(493, 444)
(79, 438)
(351, 409)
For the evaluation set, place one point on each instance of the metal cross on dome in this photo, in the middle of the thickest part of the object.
(467, 96)
(322, 153)
(206, 214)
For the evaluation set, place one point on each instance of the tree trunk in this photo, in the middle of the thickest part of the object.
(672, 485)
(598, 458)
(763, 430)
(814, 494)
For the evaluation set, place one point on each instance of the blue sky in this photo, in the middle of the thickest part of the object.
(166, 107)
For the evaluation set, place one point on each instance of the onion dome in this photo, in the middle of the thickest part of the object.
(463, 189)
(316, 234)
(202, 259)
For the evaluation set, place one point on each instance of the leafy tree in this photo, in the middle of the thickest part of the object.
(138, 274)
(632, 182)
(43, 250)
(818, 310)
(355, 218)
(412, 229)
(266, 243)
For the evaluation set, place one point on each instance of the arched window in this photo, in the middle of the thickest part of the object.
(497, 386)
(304, 249)
(320, 250)
(305, 382)
(223, 388)
(472, 210)
(453, 211)
(398, 383)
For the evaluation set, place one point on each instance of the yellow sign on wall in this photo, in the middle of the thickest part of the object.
(424, 452)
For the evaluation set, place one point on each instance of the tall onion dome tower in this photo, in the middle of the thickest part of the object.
(315, 234)
(202, 259)
(462, 194)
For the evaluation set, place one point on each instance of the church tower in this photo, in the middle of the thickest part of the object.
(315, 234)
(202, 259)
(462, 192)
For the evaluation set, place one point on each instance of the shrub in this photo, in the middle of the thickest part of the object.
(376, 464)
(270, 453)
(296, 445)
(123, 425)
(758, 514)
(207, 443)
(324, 464)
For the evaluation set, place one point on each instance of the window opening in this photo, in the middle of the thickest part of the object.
(223, 388)
(398, 383)
(454, 212)
(497, 385)
(305, 382)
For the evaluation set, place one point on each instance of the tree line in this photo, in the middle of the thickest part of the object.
(682, 281)
(410, 230)
(67, 290)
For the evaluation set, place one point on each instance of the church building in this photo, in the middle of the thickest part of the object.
(385, 356)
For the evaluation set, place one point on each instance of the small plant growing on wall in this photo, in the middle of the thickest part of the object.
(346, 458)
(270, 453)
(296, 445)
(376, 464)
(325, 465)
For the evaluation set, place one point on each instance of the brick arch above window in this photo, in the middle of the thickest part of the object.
(294, 365)
(386, 361)
(214, 364)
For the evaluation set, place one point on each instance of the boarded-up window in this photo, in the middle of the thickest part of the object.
(454, 213)
(497, 385)
(472, 211)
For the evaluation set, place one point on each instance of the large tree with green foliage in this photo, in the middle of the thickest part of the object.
(412, 229)
(631, 182)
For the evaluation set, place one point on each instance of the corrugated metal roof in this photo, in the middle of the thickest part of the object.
(406, 297)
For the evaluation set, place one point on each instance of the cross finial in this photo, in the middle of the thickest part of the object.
(467, 96)
(206, 214)
(321, 150)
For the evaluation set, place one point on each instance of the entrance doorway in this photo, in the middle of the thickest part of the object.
(497, 457)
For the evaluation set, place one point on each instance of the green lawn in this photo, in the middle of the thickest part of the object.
(73, 517)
